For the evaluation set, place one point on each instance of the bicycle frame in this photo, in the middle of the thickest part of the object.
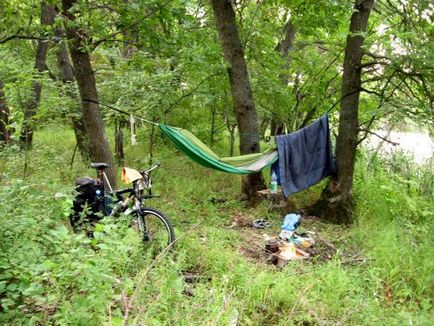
(136, 192)
(153, 225)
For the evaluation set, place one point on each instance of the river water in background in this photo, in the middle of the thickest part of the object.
(416, 144)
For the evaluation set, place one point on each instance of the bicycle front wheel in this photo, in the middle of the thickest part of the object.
(155, 229)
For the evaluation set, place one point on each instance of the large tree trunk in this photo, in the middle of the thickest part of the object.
(231, 128)
(129, 35)
(47, 18)
(245, 112)
(98, 143)
(284, 47)
(67, 77)
(337, 199)
(4, 117)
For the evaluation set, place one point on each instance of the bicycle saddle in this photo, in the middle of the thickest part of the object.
(99, 166)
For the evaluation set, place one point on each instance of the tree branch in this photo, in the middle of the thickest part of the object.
(370, 91)
(183, 96)
(377, 135)
(22, 37)
(123, 30)
(341, 98)
(367, 128)
(374, 63)
(377, 56)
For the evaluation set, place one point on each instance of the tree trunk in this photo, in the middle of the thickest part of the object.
(98, 143)
(152, 140)
(130, 36)
(277, 127)
(284, 47)
(245, 112)
(4, 117)
(68, 80)
(119, 143)
(337, 199)
(213, 128)
(231, 127)
(47, 18)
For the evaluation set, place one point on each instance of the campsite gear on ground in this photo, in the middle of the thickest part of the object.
(305, 156)
(155, 229)
(290, 224)
(190, 145)
(271, 246)
(285, 235)
(289, 251)
(260, 224)
(303, 240)
(290, 244)
(273, 182)
(279, 252)
(307, 245)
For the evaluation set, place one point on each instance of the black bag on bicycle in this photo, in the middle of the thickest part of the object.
(88, 201)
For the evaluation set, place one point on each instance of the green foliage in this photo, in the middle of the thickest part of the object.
(51, 276)
(47, 273)
(163, 61)
(397, 224)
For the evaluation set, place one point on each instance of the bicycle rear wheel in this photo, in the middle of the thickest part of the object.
(155, 229)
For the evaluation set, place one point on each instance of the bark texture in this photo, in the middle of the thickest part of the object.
(4, 117)
(337, 199)
(68, 80)
(47, 18)
(98, 143)
(245, 112)
(284, 48)
(119, 142)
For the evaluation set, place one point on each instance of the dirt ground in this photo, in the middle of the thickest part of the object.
(327, 243)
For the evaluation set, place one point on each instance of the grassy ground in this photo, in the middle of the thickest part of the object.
(380, 273)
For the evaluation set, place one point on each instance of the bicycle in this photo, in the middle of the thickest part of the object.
(154, 228)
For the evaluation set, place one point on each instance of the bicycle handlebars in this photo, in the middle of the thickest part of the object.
(152, 168)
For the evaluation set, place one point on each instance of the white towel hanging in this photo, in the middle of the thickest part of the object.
(133, 130)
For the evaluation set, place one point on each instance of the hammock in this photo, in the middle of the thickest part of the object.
(190, 145)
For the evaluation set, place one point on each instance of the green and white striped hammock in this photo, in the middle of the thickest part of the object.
(190, 145)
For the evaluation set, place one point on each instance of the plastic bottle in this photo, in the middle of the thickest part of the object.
(273, 182)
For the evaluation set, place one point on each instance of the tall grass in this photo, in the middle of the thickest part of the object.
(50, 276)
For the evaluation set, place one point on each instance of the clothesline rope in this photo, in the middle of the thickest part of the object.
(120, 111)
